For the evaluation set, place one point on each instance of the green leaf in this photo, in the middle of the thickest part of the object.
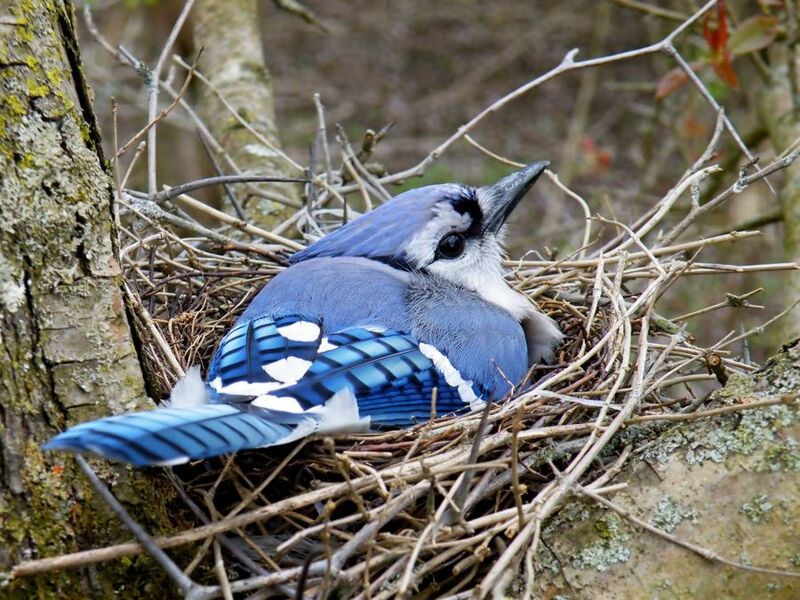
(753, 34)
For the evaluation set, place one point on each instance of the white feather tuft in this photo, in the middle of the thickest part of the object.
(340, 414)
(190, 390)
(542, 336)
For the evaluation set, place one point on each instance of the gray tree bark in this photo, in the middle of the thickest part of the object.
(729, 484)
(782, 122)
(233, 61)
(67, 349)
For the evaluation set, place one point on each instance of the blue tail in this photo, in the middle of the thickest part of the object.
(170, 436)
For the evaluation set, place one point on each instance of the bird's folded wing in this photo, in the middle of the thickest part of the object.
(275, 380)
(291, 366)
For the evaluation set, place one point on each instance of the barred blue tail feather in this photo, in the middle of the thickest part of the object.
(171, 436)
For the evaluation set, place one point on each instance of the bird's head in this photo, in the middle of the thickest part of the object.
(450, 231)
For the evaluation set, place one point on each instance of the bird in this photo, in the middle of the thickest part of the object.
(355, 335)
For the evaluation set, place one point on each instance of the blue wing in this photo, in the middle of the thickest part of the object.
(275, 380)
(390, 374)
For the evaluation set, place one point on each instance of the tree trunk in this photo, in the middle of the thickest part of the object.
(774, 102)
(728, 484)
(67, 349)
(233, 61)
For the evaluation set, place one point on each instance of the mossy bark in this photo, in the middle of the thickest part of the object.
(67, 350)
(233, 61)
(730, 484)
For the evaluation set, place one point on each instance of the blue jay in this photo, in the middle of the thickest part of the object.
(356, 334)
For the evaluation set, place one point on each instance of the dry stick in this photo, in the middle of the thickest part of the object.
(686, 68)
(333, 567)
(577, 364)
(622, 376)
(731, 300)
(791, 400)
(222, 576)
(147, 320)
(152, 108)
(742, 183)
(260, 514)
(170, 192)
(33, 567)
(761, 327)
(322, 137)
(716, 269)
(461, 492)
(636, 238)
(576, 469)
(699, 550)
(223, 540)
(127, 59)
(592, 263)
(229, 192)
(136, 155)
(242, 121)
(186, 585)
(153, 211)
(181, 92)
(189, 202)
(665, 205)
(567, 64)
(515, 467)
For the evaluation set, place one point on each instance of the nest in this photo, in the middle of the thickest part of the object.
(456, 503)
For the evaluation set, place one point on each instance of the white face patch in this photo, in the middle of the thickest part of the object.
(325, 345)
(287, 370)
(421, 250)
(302, 331)
(479, 268)
(451, 375)
(279, 403)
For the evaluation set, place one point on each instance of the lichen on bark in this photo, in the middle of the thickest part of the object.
(67, 350)
(727, 483)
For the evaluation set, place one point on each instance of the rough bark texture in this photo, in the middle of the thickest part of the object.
(233, 61)
(774, 103)
(729, 484)
(67, 351)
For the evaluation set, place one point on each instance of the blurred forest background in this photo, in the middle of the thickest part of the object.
(426, 68)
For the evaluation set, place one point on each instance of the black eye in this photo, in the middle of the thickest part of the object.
(451, 246)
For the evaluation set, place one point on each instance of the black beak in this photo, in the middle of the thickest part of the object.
(507, 193)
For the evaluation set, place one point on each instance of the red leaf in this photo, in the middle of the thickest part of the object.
(724, 70)
(716, 34)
